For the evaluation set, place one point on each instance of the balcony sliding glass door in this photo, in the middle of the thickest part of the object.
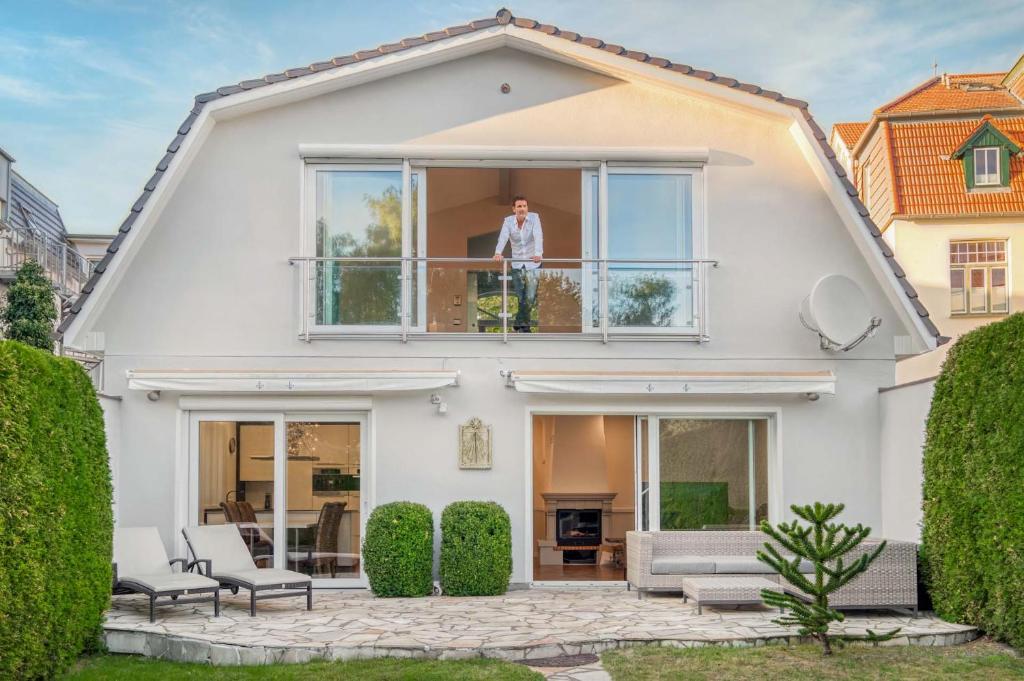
(623, 248)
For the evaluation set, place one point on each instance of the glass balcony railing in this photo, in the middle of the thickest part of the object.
(414, 296)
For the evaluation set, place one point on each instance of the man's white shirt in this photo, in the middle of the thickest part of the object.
(527, 241)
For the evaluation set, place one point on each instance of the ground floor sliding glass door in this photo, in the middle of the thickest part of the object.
(704, 473)
(293, 484)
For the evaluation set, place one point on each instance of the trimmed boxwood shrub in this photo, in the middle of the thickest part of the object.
(973, 531)
(398, 550)
(476, 549)
(56, 522)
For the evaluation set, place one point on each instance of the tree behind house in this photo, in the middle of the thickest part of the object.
(29, 313)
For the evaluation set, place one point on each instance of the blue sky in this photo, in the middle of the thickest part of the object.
(91, 91)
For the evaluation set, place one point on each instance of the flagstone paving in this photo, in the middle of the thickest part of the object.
(522, 624)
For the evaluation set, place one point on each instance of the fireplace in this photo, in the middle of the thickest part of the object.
(578, 526)
(574, 519)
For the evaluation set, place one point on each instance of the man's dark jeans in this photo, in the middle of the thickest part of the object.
(524, 283)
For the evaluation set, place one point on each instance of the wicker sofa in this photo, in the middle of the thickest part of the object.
(658, 561)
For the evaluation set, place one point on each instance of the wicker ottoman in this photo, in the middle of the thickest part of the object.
(712, 590)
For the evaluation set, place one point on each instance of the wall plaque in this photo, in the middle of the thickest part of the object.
(474, 444)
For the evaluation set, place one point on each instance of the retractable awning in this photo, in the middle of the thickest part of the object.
(673, 382)
(261, 381)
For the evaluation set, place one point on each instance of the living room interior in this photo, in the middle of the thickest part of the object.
(584, 496)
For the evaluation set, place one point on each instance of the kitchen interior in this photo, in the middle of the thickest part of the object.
(236, 464)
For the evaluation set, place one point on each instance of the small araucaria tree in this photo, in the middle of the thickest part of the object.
(29, 313)
(823, 544)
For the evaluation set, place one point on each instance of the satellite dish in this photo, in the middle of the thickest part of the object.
(837, 310)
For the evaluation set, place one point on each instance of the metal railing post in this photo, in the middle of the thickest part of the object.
(305, 300)
(602, 296)
(404, 296)
(504, 300)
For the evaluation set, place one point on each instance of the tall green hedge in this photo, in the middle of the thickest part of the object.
(973, 532)
(476, 549)
(55, 513)
(398, 550)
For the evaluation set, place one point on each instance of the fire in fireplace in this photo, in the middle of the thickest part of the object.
(578, 527)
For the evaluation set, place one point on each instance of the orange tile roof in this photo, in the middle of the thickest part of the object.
(928, 182)
(954, 92)
(849, 133)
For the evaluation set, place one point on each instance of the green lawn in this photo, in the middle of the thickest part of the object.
(978, 660)
(131, 668)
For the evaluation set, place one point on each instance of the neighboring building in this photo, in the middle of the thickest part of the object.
(301, 312)
(942, 172)
(31, 228)
(93, 247)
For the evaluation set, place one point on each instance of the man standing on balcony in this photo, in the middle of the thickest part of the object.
(523, 229)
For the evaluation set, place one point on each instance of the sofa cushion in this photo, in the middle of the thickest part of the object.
(747, 565)
(683, 565)
(741, 565)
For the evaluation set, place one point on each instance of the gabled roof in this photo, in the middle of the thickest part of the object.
(929, 182)
(988, 124)
(32, 210)
(849, 133)
(954, 92)
(504, 18)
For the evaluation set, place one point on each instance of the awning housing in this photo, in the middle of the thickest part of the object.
(332, 382)
(674, 383)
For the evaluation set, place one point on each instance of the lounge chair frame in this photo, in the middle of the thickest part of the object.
(289, 589)
(123, 586)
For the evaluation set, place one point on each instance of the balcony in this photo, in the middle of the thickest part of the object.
(421, 297)
(65, 267)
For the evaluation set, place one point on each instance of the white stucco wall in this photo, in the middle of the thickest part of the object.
(922, 248)
(211, 288)
(112, 428)
(904, 413)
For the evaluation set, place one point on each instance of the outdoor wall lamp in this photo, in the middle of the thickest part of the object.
(153, 395)
(442, 407)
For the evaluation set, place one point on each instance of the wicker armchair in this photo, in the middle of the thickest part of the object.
(890, 581)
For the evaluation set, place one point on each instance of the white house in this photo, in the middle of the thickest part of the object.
(301, 311)
(941, 168)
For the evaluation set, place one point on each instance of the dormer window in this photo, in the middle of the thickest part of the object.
(985, 154)
(986, 166)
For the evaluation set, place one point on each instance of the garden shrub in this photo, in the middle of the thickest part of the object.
(56, 522)
(398, 550)
(973, 530)
(476, 549)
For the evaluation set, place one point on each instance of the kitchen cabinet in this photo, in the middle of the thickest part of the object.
(256, 440)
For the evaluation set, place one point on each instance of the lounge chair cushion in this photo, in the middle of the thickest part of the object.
(683, 565)
(140, 551)
(221, 544)
(262, 577)
(170, 582)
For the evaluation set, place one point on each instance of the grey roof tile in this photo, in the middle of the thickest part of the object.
(504, 17)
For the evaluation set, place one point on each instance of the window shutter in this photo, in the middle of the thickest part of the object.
(969, 168)
(1004, 166)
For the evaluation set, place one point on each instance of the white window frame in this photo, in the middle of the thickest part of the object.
(309, 239)
(987, 266)
(697, 235)
(408, 167)
(988, 179)
(280, 420)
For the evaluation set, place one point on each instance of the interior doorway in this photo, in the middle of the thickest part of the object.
(584, 496)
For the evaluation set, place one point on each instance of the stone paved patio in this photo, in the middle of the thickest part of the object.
(524, 624)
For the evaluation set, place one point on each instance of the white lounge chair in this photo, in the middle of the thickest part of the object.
(141, 566)
(230, 563)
